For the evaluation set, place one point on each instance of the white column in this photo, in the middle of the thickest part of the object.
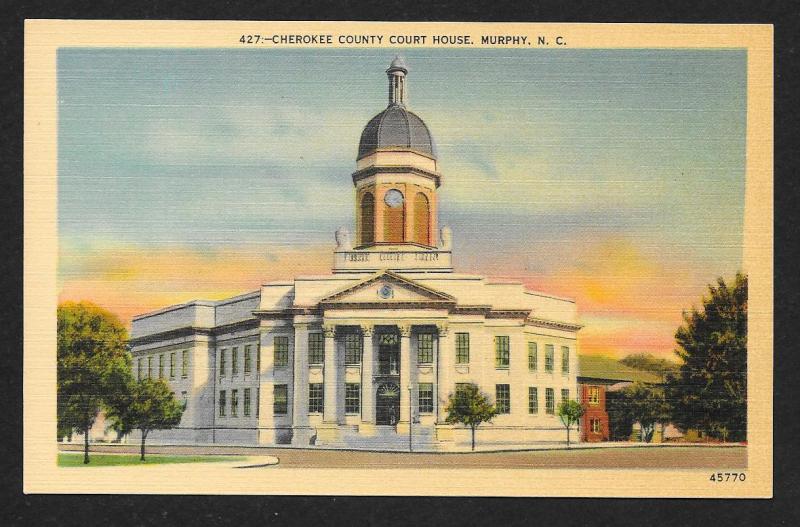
(405, 374)
(300, 385)
(445, 363)
(367, 376)
(331, 376)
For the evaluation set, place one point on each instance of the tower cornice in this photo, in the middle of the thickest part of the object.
(364, 173)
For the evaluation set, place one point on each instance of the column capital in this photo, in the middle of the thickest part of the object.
(443, 329)
(329, 330)
(367, 329)
(405, 330)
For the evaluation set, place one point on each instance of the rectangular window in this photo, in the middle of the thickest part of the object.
(316, 348)
(501, 351)
(352, 398)
(222, 403)
(548, 357)
(223, 354)
(594, 395)
(596, 426)
(533, 400)
(462, 348)
(425, 397)
(247, 402)
(461, 386)
(425, 348)
(564, 395)
(281, 351)
(150, 367)
(185, 364)
(172, 365)
(352, 348)
(234, 361)
(503, 398)
(280, 399)
(234, 403)
(533, 356)
(316, 398)
(550, 401)
(565, 359)
(161, 366)
(139, 369)
(248, 359)
(258, 356)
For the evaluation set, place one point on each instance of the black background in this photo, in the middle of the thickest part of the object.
(784, 509)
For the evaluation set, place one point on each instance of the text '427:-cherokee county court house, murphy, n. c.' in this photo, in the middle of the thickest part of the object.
(368, 355)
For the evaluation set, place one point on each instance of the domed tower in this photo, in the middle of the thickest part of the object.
(396, 182)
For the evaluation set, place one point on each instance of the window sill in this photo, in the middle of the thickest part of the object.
(502, 368)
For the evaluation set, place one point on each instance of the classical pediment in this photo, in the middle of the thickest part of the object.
(388, 289)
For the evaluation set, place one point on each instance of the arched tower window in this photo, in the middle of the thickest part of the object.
(367, 218)
(394, 215)
(422, 219)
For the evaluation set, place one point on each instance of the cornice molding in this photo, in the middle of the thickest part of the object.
(544, 323)
(364, 173)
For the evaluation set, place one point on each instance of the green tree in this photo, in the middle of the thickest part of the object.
(148, 405)
(649, 363)
(569, 412)
(710, 390)
(469, 407)
(620, 423)
(93, 366)
(647, 405)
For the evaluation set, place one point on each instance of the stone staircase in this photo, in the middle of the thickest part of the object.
(423, 439)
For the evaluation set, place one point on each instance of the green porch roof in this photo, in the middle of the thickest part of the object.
(600, 367)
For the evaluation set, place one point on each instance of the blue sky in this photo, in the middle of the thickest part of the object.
(544, 153)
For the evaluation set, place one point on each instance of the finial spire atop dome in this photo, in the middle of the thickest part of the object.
(397, 81)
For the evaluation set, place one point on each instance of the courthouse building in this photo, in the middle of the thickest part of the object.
(366, 356)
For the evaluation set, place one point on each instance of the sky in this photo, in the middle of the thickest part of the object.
(613, 177)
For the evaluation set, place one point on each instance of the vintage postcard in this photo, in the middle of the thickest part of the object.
(398, 258)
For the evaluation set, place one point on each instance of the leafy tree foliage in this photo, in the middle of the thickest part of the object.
(93, 365)
(647, 405)
(648, 362)
(569, 412)
(709, 392)
(147, 405)
(620, 423)
(470, 407)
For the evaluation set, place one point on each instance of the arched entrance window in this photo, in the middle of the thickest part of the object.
(422, 219)
(394, 216)
(367, 218)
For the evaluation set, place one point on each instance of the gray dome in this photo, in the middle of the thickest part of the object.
(396, 127)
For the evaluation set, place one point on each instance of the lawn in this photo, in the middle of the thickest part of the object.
(69, 459)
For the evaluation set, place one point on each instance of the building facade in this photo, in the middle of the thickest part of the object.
(367, 356)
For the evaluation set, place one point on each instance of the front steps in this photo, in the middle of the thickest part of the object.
(382, 437)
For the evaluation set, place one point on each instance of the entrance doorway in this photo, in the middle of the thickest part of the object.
(387, 404)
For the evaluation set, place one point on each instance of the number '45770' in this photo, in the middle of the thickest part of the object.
(720, 477)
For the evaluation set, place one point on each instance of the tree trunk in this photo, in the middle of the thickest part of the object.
(567, 436)
(473, 439)
(144, 436)
(86, 445)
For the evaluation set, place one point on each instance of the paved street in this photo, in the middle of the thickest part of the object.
(667, 457)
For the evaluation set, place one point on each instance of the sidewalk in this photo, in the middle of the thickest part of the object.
(208, 449)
